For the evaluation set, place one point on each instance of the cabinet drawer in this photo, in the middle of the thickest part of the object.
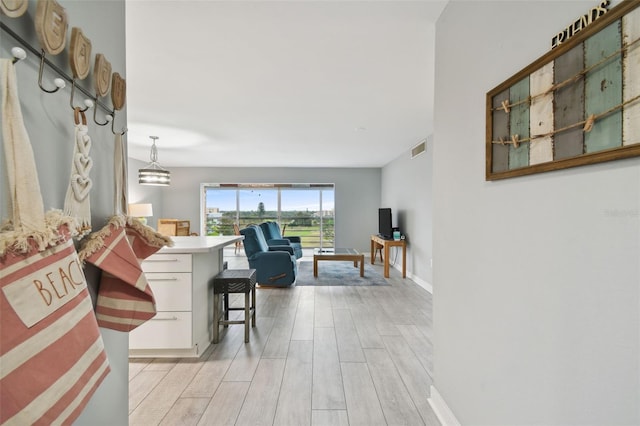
(167, 330)
(172, 290)
(167, 263)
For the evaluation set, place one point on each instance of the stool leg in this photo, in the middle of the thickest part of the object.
(216, 317)
(253, 305)
(226, 308)
(246, 317)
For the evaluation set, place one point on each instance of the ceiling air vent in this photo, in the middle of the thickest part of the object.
(418, 149)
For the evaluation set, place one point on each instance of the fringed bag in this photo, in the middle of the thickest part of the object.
(52, 357)
(125, 299)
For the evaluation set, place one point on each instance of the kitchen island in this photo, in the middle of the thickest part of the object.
(181, 279)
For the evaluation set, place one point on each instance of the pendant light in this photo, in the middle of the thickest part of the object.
(154, 173)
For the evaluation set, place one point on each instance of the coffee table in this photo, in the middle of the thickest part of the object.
(338, 254)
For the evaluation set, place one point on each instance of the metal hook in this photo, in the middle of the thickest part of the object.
(60, 83)
(113, 120)
(107, 117)
(88, 102)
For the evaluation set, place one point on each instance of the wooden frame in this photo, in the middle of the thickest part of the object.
(578, 104)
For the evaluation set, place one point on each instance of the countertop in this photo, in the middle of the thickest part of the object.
(199, 244)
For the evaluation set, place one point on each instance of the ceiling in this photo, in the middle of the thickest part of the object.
(279, 83)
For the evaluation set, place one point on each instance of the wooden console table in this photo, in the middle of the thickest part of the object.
(377, 241)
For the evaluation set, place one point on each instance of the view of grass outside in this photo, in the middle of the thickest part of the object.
(305, 212)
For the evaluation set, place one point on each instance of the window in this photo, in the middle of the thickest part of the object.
(305, 210)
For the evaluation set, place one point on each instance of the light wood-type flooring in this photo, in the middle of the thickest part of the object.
(318, 356)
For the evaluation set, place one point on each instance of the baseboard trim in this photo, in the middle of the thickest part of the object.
(427, 286)
(441, 409)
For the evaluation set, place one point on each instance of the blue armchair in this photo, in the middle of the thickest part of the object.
(275, 265)
(272, 234)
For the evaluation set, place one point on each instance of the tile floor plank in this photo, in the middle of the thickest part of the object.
(225, 404)
(329, 418)
(263, 394)
(349, 348)
(414, 376)
(294, 403)
(205, 383)
(141, 385)
(277, 345)
(136, 365)
(247, 359)
(186, 411)
(397, 405)
(328, 392)
(363, 405)
(420, 345)
(323, 316)
(303, 325)
(160, 400)
(365, 322)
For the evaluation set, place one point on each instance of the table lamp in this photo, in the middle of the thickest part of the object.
(141, 211)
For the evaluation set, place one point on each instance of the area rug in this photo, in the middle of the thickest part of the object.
(335, 273)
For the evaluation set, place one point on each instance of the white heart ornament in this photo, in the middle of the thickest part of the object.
(81, 186)
(83, 164)
(83, 141)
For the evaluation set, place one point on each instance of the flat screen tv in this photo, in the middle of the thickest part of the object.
(385, 229)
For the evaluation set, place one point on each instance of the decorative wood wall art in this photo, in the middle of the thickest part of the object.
(102, 75)
(578, 104)
(13, 8)
(80, 54)
(51, 26)
(118, 91)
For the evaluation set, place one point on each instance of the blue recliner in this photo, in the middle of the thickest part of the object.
(275, 265)
(272, 234)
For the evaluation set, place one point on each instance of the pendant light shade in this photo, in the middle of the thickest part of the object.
(153, 173)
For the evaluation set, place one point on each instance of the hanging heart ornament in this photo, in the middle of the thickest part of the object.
(83, 141)
(83, 164)
(81, 186)
(80, 181)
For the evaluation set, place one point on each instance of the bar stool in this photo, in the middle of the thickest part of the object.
(234, 281)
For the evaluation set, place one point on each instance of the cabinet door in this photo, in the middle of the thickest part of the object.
(167, 330)
(172, 290)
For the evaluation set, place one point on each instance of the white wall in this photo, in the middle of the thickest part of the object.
(407, 187)
(536, 279)
(357, 194)
(49, 122)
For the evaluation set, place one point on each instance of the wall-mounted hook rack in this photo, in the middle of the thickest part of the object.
(64, 77)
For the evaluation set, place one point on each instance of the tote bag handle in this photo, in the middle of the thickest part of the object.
(22, 176)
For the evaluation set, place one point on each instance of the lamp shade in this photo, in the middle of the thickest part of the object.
(154, 173)
(140, 210)
(157, 177)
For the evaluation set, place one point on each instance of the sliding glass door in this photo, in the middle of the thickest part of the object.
(305, 210)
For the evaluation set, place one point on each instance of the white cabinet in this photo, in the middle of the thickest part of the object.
(181, 278)
(171, 279)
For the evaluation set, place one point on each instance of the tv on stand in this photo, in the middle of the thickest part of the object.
(385, 230)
